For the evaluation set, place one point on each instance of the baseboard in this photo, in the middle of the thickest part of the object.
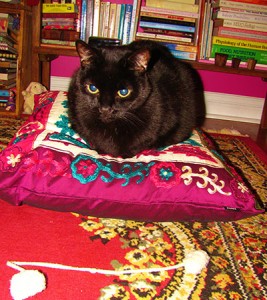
(218, 105)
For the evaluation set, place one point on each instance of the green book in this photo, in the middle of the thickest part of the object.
(243, 53)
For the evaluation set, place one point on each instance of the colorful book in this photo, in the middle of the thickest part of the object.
(169, 32)
(167, 26)
(256, 18)
(170, 12)
(7, 76)
(59, 8)
(240, 24)
(134, 19)
(167, 17)
(122, 15)
(8, 64)
(223, 41)
(60, 15)
(89, 19)
(96, 17)
(179, 47)
(167, 4)
(127, 24)
(163, 37)
(117, 21)
(57, 42)
(184, 55)
(167, 21)
(240, 5)
(258, 36)
(243, 53)
(4, 93)
(112, 20)
(83, 20)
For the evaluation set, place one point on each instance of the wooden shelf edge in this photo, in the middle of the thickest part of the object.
(227, 69)
(71, 51)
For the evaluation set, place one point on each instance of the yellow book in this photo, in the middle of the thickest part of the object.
(59, 8)
(168, 4)
(223, 41)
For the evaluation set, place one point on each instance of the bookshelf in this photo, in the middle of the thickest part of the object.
(45, 53)
(24, 51)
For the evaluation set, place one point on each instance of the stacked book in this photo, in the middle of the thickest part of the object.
(108, 19)
(8, 53)
(60, 23)
(173, 23)
(239, 30)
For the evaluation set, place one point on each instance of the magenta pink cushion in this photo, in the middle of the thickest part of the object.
(48, 165)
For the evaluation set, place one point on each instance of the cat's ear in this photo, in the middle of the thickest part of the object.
(139, 60)
(85, 52)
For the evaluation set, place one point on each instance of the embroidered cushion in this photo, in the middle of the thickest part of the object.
(48, 165)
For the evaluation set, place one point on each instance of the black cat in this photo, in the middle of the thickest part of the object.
(125, 99)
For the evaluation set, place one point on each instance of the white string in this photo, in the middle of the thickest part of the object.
(16, 264)
(193, 262)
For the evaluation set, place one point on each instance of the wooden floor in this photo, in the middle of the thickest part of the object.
(251, 129)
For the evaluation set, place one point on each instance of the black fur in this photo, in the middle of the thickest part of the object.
(165, 103)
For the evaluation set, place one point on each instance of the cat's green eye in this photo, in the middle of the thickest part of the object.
(92, 88)
(123, 93)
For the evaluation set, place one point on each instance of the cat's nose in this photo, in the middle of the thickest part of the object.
(105, 109)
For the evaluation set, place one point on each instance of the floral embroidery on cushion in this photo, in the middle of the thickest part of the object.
(83, 165)
(165, 174)
(10, 158)
(209, 181)
(240, 191)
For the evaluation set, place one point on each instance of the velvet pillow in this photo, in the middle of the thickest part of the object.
(48, 165)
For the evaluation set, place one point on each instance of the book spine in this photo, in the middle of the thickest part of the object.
(239, 10)
(240, 16)
(240, 34)
(167, 26)
(240, 24)
(4, 93)
(239, 43)
(60, 15)
(167, 17)
(136, 3)
(60, 27)
(127, 24)
(179, 47)
(117, 21)
(83, 20)
(184, 55)
(173, 5)
(106, 19)
(122, 16)
(242, 53)
(240, 5)
(167, 21)
(168, 12)
(57, 42)
(96, 17)
(168, 32)
(89, 19)
(112, 20)
(59, 8)
(163, 37)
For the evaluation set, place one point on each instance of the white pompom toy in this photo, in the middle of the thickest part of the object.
(28, 283)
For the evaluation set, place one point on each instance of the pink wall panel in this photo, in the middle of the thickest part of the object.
(212, 81)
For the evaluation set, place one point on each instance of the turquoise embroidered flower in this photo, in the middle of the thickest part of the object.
(165, 175)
